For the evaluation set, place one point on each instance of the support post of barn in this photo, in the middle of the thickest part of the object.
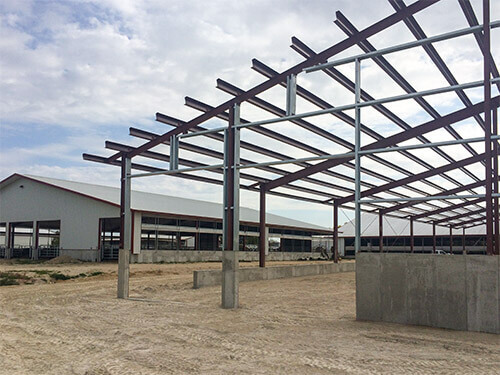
(231, 215)
(487, 125)
(380, 231)
(335, 254)
(125, 228)
(412, 239)
(451, 240)
(433, 238)
(262, 226)
(496, 215)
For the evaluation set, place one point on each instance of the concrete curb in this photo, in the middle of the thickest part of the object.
(214, 277)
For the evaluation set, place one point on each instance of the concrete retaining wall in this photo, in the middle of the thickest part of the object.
(459, 292)
(176, 256)
(214, 277)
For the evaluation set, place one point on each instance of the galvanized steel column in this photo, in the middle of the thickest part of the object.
(262, 227)
(357, 159)
(335, 254)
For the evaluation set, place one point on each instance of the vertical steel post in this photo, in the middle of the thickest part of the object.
(463, 241)
(412, 238)
(291, 94)
(380, 231)
(262, 226)
(174, 152)
(451, 240)
(433, 237)
(357, 159)
(335, 254)
(487, 123)
(496, 204)
(231, 214)
(125, 228)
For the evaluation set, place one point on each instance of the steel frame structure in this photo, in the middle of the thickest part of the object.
(465, 213)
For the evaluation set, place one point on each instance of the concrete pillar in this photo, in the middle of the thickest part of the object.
(136, 239)
(230, 279)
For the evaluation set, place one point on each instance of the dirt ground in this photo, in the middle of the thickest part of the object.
(290, 326)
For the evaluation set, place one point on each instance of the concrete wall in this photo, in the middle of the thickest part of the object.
(35, 201)
(449, 291)
(214, 277)
(170, 256)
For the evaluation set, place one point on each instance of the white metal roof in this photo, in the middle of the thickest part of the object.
(142, 201)
(399, 227)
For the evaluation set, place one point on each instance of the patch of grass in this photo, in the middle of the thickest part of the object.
(59, 276)
(95, 273)
(41, 272)
(82, 275)
(11, 278)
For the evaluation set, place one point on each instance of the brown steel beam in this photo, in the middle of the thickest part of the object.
(416, 177)
(434, 238)
(449, 208)
(412, 237)
(466, 214)
(444, 209)
(386, 142)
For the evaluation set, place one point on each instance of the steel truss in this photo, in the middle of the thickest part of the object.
(463, 205)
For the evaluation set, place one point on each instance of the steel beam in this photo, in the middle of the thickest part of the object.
(335, 254)
(380, 231)
(386, 142)
(347, 27)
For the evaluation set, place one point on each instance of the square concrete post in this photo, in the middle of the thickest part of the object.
(125, 231)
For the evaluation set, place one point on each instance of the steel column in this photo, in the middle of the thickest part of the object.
(262, 226)
(434, 238)
(496, 207)
(335, 254)
(231, 215)
(412, 238)
(125, 228)
(357, 159)
(487, 123)
(463, 241)
(451, 240)
(380, 231)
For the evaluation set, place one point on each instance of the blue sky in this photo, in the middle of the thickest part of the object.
(76, 73)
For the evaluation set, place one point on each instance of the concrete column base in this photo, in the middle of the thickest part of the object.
(230, 279)
(123, 272)
(34, 254)
(8, 253)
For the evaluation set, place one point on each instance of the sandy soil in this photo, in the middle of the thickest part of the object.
(290, 326)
